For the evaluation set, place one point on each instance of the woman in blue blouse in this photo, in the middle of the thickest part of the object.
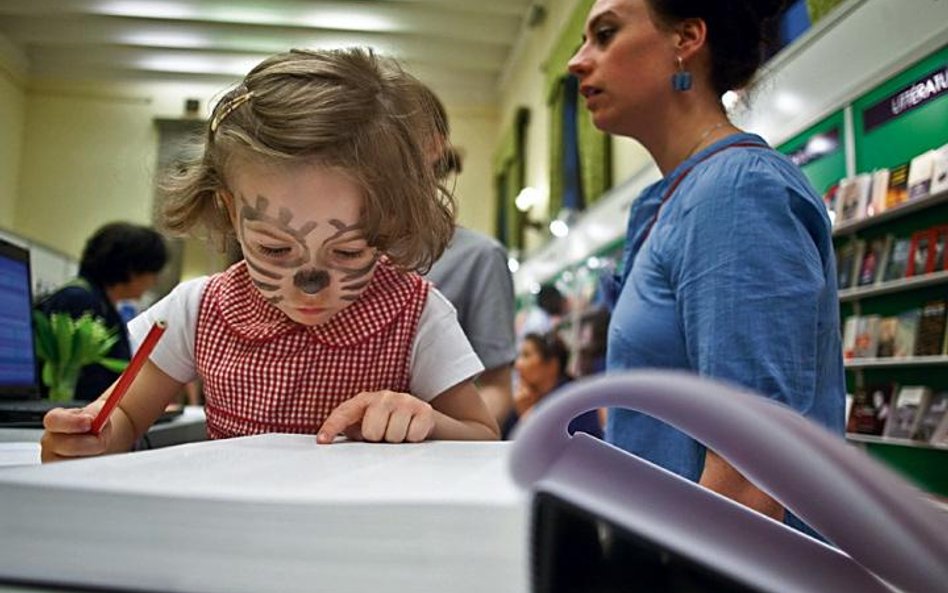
(729, 267)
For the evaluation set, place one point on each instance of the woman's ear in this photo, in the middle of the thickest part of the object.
(690, 36)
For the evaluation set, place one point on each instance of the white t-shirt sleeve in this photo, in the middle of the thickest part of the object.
(174, 353)
(441, 355)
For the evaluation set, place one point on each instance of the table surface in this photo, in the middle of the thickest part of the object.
(20, 446)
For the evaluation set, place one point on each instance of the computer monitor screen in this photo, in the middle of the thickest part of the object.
(17, 356)
(574, 551)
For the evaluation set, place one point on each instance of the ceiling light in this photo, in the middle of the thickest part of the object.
(166, 39)
(349, 21)
(148, 9)
(559, 228)
(236, 66)
(527, 198)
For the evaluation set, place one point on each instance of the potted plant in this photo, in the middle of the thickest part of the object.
(66, 344)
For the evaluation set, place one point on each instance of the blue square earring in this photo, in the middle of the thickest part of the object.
(681, 80)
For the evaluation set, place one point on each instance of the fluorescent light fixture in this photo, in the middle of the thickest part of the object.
(559, 228)
(167, 39)
(513, 265)
(194, 64)
(148, 9)
(821, 144)
(348, 21)
(787, 103)
(527, 198)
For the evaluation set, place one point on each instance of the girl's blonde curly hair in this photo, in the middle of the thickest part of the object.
(351, 110)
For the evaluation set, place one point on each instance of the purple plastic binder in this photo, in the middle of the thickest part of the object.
(605, 520)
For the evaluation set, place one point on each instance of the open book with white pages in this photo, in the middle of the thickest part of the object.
(270, 513)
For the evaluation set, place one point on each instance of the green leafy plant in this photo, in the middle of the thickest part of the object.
(66, 345)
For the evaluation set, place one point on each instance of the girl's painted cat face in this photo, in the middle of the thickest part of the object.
(301, 233)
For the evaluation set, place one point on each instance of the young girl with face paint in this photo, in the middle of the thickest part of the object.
(315, 165)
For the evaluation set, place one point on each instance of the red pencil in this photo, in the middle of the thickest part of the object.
(128, 375)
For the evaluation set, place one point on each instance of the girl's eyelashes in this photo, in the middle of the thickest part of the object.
(273, 251)
(349, 253)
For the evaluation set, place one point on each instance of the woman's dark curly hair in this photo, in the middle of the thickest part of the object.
(739, 32)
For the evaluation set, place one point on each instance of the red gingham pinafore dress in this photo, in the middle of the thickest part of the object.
(264, 373)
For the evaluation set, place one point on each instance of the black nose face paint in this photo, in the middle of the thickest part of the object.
(311, 281)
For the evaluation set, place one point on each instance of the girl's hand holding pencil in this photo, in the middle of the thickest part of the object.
(85, 432)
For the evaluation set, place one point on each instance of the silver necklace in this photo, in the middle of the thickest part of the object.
(703, 137)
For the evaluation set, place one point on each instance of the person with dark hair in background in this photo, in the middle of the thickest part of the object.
(550, 307)
(119, 261)
(541, 369)
(473, 274)
(729, 269)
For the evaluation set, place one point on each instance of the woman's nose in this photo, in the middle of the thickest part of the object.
(579, 64)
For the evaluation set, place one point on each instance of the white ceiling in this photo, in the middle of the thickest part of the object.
(459, 47)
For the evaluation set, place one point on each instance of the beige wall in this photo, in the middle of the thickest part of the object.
(87, 159)
(524, 86)
(12, 118)
(474, 133)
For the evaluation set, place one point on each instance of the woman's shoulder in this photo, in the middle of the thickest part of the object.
(757, 173)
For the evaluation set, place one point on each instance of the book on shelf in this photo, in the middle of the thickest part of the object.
(829, 200)
(850, 327)
(898, 186)
(931, 329)
(896, 261)
(910, 403)
(931, 417)
(906, 332)
(871, 262)
(920, 176)
(888, 326)
(940, 436)
(922, 253)
(845, 265)
(867, 336)
(880, 187)
(852, 202)
(939, 170)
(870, 409)
(939, 259)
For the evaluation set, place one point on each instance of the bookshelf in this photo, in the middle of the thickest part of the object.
(902, 210)
(917, 461)
(893, 286)
(908, 361)
(894, 142)
(877, 440)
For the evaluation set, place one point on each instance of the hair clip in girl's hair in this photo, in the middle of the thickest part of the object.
(229, 108)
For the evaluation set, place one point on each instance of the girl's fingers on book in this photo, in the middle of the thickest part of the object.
(341, 418)
(397, 429)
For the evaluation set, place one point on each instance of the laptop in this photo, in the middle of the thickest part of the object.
(21, 401)
(20, 396)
